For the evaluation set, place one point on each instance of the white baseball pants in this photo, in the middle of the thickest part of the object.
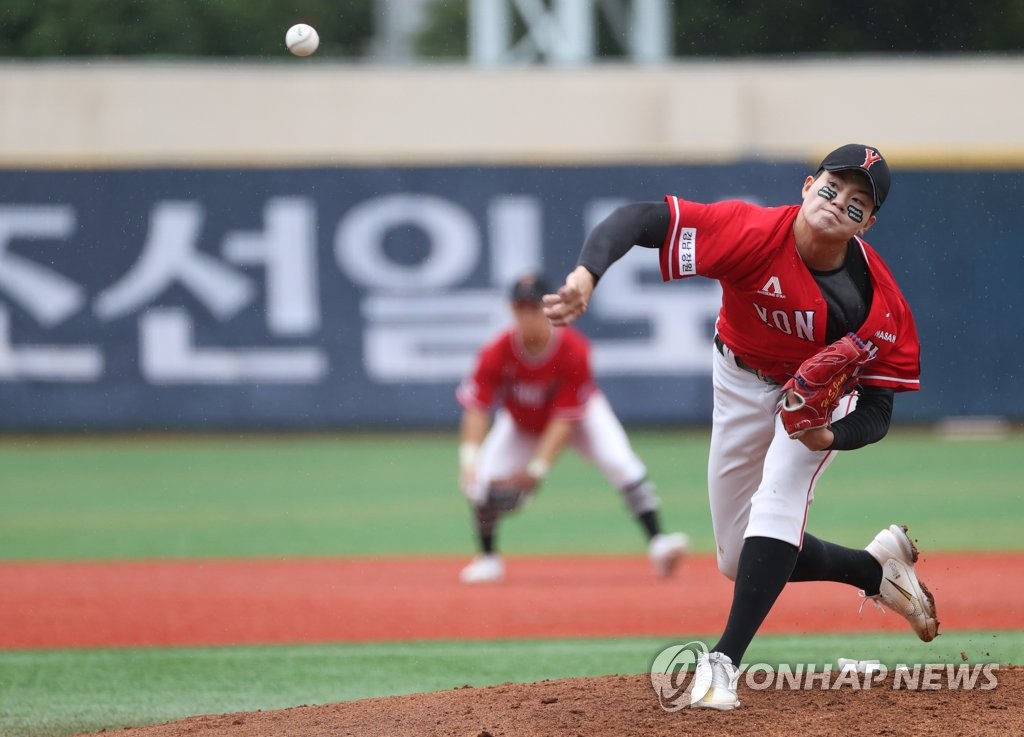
(599, 437)
(760, 482)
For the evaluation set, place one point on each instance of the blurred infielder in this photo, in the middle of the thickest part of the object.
(812, 326)
(542, 380)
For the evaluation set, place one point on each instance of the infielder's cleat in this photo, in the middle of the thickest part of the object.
(901, 590)
(666, 550)
(714, 683)
(483, 569)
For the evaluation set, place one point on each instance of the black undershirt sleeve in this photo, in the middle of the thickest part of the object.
(868, 423)
(636, 224)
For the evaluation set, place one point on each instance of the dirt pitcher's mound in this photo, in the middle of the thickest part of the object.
(626, 706)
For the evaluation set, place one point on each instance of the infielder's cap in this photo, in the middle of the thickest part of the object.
(530, 288)
(857, 156)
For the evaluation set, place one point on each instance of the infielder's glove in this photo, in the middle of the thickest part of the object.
(508, 494)
(809, 398)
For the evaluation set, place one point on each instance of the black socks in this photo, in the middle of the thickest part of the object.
(820, 560)
(486, 522)
(766, 565)
(764, 568)
(649, 521)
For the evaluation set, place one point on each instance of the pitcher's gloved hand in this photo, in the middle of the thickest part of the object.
(809, 398)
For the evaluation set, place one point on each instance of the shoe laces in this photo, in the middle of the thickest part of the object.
(721, 670)
(864, 599)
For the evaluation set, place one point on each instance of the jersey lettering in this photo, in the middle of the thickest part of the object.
(530, 394)
(687, 251)
(886, 336)
(780, 318)
(803, 320)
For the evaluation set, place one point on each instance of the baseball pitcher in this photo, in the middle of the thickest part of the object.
(813, 341)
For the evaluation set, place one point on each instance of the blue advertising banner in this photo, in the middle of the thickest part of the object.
(357, 297)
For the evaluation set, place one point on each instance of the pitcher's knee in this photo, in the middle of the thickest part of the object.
(728, 565)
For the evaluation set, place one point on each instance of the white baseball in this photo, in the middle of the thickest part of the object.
(302, 40)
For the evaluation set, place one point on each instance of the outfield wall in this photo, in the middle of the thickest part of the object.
(344, 297)
(176, 288)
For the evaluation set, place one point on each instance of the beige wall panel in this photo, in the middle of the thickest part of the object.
(942, 111)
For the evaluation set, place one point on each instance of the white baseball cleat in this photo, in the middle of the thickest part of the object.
(714, 683)
(901, 590)
(483, 569)
(666, 550)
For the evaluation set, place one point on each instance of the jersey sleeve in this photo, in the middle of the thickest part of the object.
(477, 391)
(720, 240)
(577, 381)
(899, 367)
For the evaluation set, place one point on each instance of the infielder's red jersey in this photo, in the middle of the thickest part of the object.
(534, 389)
(773, 314)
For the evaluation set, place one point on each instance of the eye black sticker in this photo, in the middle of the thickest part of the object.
(828, 193)
(855, 213)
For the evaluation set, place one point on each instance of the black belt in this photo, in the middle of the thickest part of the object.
(740, 363)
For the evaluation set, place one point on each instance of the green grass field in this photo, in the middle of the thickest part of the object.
(120, 498)
(346, 495)
(63, 692)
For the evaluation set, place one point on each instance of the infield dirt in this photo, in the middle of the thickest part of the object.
(625, 706)
(218, 602)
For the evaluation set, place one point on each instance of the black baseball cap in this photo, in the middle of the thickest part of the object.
(867, 159)
(530, 288)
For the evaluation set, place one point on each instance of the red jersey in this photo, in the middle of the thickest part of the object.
(534, 389)
(773, 315)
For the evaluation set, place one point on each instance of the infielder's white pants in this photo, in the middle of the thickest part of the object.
(599, 437)
(760, 482)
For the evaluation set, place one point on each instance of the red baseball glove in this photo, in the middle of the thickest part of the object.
(809, 398)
